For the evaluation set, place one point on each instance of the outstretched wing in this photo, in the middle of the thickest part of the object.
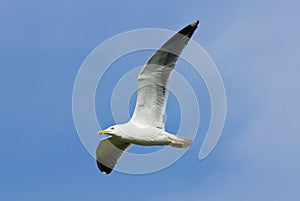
(108, 152)
(153, 79)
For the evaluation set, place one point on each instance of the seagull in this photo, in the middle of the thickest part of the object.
(146, 126)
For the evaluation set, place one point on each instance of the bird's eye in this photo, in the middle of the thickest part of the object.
(112, 128)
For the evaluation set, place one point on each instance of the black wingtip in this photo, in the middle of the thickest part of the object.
(190, 29)
(103, 168)
(195, 23)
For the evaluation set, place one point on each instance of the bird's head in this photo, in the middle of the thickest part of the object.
(112, 130)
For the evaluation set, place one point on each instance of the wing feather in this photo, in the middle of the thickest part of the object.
(154, 76)
(108, 152)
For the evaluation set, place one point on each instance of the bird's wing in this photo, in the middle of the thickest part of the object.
(153, 79)
(108, 152)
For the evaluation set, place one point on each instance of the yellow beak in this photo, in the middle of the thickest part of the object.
(102, 132)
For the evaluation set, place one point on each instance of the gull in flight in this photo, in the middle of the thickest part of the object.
(146, 127)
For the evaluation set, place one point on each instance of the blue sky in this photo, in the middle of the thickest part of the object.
(255, 45)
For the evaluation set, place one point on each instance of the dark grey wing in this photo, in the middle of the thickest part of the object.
(108, 152)
(153, 79)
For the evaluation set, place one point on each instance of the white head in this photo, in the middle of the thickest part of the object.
(112, 130)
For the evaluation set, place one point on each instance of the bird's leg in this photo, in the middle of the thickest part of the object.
(174, 143)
